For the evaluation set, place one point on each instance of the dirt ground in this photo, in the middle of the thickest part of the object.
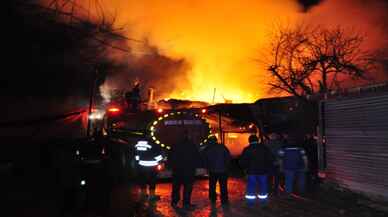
(326, 202)
(124, 202)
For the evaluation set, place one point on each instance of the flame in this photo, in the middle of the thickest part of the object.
(221, 39)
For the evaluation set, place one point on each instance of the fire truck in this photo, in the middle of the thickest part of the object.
(159, 127)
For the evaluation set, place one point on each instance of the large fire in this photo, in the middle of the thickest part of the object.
(221, 39)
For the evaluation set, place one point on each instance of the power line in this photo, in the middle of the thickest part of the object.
(40, 120)
(58, 9)
(55, 7)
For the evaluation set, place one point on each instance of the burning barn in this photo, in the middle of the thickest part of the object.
(281, 115)
(232, 124)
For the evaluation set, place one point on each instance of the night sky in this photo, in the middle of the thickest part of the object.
(48, 61)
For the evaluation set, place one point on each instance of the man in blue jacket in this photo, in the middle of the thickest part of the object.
(217, 158)
(257, 160)
(294, 164)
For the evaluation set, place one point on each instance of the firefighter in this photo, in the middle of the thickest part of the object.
(294, 164)
(311, 148)
(257, 160)
(217, 158)
(275, 144)
(184, 158)
(133, 98)
(147, 158)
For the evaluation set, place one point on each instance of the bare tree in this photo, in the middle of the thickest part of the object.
(307, 60)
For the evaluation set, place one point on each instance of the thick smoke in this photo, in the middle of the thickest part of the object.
(152, 69)
(307, 4)
(218, 38)
(368, 18)
(206, 49)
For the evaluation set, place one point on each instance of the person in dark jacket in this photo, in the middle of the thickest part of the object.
(133, 98)
(184, 158)
(257, 160)
(217, 158)
(275, 144)
(294, 164)
(311, 148)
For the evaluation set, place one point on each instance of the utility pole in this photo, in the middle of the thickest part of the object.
(91, 100)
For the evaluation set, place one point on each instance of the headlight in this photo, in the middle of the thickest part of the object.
(96, 115)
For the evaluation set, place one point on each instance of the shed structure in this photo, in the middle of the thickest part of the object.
(355, 131)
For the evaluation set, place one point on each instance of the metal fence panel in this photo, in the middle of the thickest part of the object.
(357, 143)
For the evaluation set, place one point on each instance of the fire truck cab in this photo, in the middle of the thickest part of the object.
(162, 128)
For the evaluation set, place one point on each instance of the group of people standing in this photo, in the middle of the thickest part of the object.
(264, 163)
(267, 162)
(185, 158)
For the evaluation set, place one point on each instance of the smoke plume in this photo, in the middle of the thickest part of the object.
(152, 69)
(205, 50)
(368, 18)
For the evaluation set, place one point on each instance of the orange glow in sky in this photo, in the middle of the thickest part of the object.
(220, 39)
